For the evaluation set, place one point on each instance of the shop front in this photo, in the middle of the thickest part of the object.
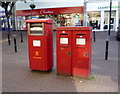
(98, 16)
(65, 16)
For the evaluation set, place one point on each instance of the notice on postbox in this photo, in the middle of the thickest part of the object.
(63, 40)
(36, 43)
(80, 41)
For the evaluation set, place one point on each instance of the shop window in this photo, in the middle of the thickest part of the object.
(94, 19)
(112, 21)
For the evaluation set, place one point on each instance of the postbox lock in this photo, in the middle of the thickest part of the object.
(69, 53)
(86, 54)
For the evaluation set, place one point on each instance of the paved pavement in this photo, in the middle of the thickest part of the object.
(17, 77)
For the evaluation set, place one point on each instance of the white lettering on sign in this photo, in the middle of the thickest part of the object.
(107, 7)
(36, 43)
(44, 11)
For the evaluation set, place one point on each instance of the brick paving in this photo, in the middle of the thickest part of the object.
(17, 77)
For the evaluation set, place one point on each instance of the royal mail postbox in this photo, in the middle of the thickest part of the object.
(81, 51)
(40, 44)
(74, 51)
(64, 48)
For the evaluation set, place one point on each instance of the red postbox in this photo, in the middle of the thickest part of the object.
(40, 44)
(74, 51)
(64, 48)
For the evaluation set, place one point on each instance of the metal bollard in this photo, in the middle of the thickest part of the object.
(21, 37)
(15, 45)
(94, 37)
(106, 50)
(9, 39)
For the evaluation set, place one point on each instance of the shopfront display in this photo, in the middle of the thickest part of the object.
(3, 22)
(98, 22)
(65, 16)
(94, 19)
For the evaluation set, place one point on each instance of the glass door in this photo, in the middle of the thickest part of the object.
(94, 20)
(106, 20)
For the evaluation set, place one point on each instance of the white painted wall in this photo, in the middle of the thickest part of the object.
(119, 9)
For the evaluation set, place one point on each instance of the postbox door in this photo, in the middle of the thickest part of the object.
(64, 52)
(81, 53)
(37, 53)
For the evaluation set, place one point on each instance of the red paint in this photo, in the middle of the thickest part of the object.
(41, 57)
(64, 10)
(63, 59)
(81, 54)
(79, 61)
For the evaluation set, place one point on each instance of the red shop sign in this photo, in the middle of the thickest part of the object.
(63, 10)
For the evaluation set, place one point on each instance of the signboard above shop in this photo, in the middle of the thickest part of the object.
(63, 10)
(102, 6)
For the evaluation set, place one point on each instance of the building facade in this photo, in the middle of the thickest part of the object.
(63, 16)
(98, 15)
(71, 13)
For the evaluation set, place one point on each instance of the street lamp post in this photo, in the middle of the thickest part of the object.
(108, 37)
(85, 13)
(32, 6)
(110, 17)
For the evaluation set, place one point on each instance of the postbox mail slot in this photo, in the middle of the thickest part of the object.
(63, 34)
(36, 24)
(80, 34)
(36, 28)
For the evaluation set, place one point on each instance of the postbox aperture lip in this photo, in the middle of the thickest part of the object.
(35, 32)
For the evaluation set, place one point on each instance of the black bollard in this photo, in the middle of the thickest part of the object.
(94, 36)
(106, 50)
(15, 45)
(8, 38)
(21, 37)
